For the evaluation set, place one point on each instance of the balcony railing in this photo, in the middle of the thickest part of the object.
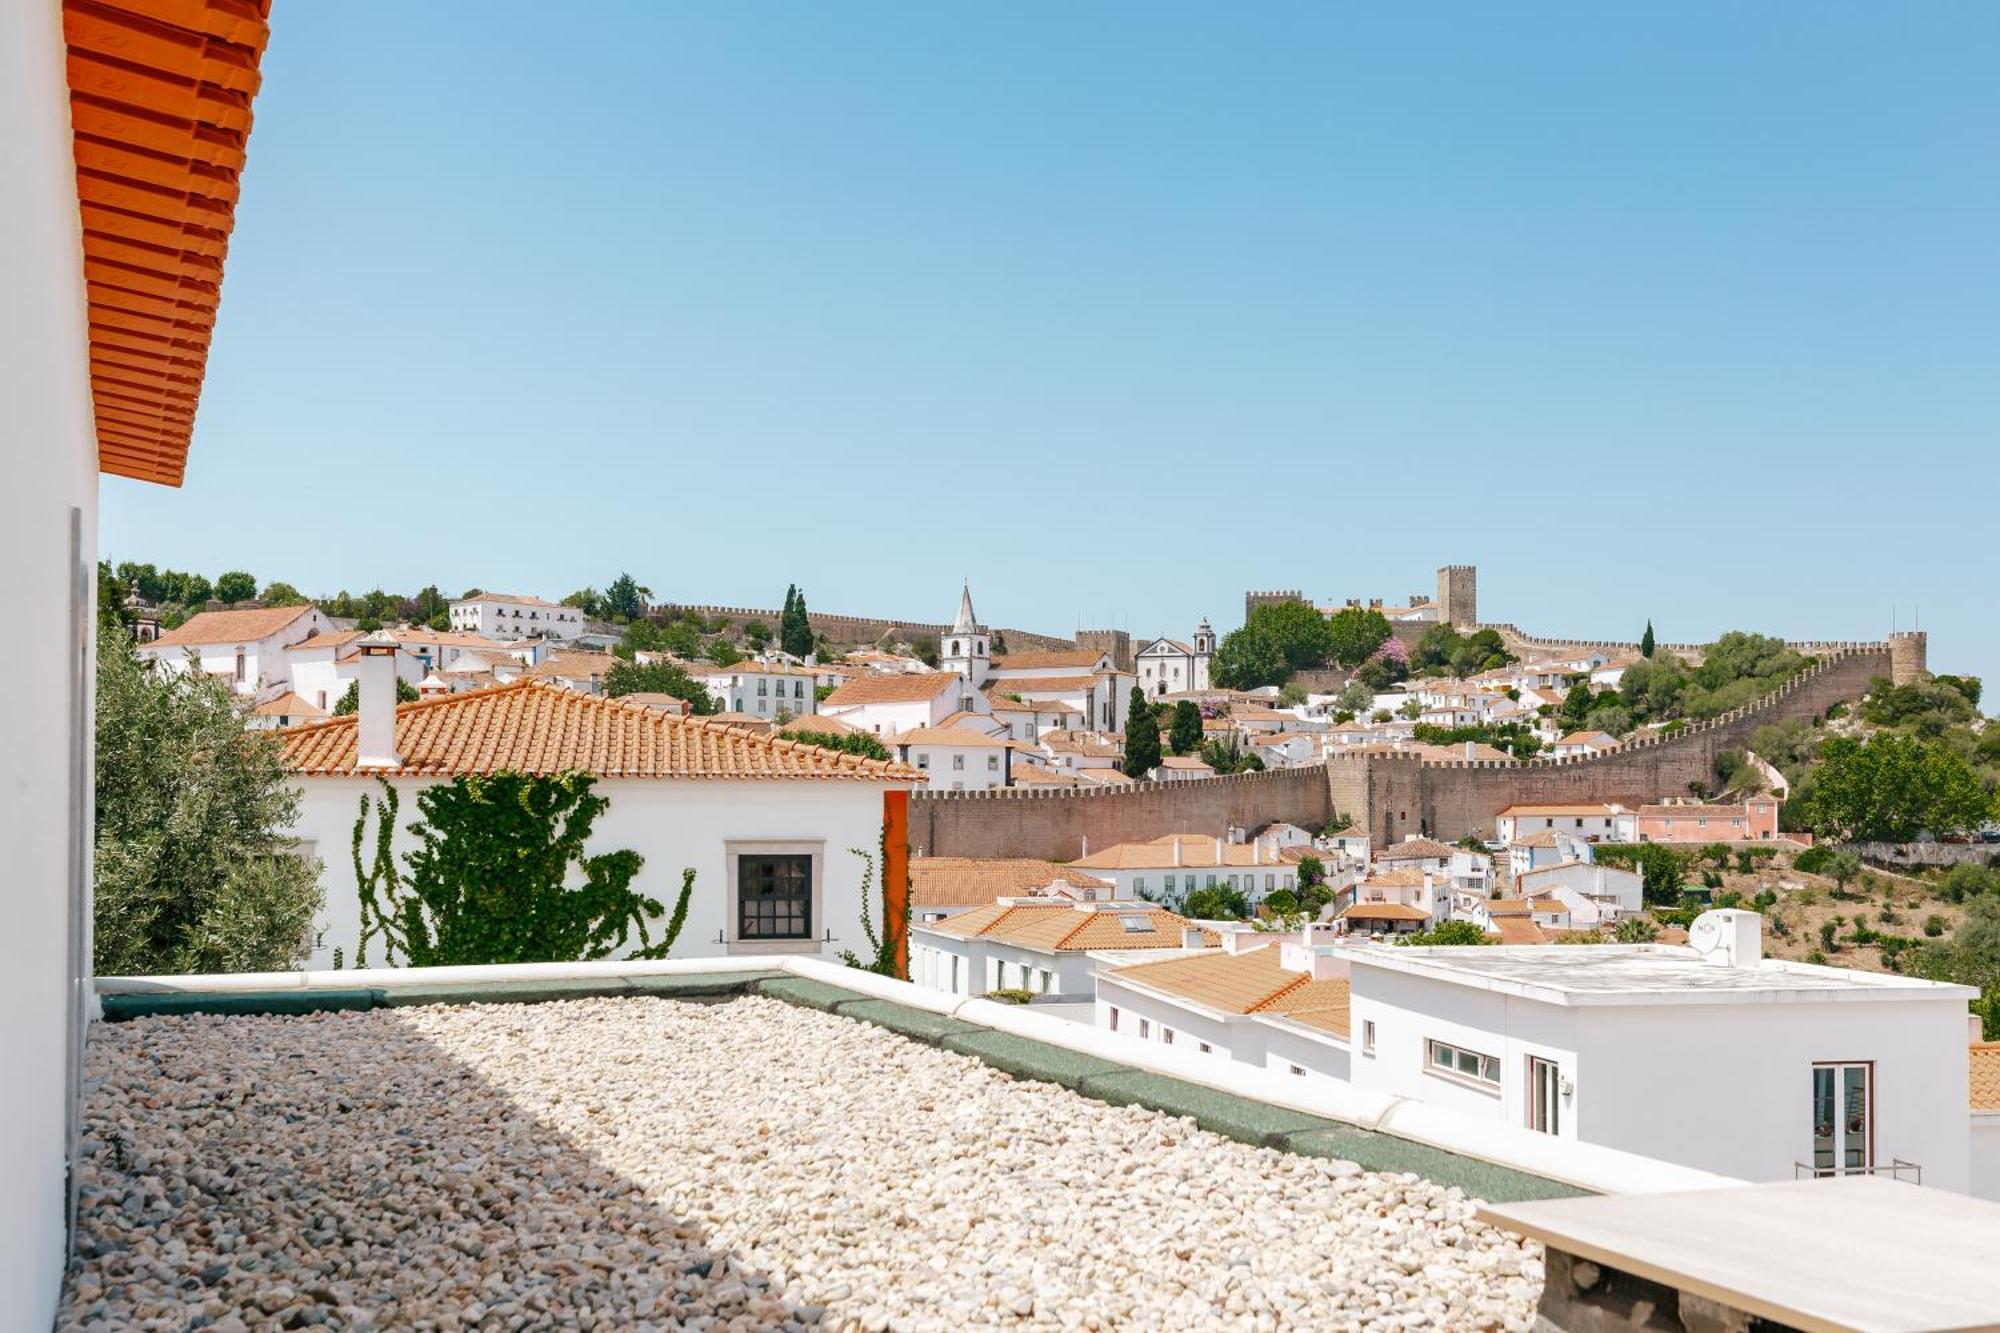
(1895, 1169)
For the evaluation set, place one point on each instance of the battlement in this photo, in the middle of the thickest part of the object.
(847, 629)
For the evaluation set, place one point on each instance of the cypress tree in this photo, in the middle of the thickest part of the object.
(1142, 737)
(1646, 641)
(794, 629)
(1186, 735)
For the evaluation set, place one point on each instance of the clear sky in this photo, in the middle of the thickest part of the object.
(1687, 312)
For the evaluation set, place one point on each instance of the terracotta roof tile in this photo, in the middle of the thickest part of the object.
(1415, 849)
(1985, 1056)
(1064, 927)
(230, 626)
(534, 728)
(1244, 983)
(891, 689)
(947, 881)
(1384, 912)
(1041, 661)
(289, 704)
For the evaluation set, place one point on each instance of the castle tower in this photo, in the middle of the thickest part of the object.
(1117, 642)
(966, 644)
(1253, 600)
(1204, 650)
(1908, 657)
(1458, 596)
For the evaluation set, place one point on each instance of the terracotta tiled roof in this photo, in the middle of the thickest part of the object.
(892, 689)
(750, 668)
(1244, 983)
(513, 599)
(1540, 838)
(1185, 763)
(339, 638)
(951, 881)
(1693, 811)
(1102, 777)
(1034, 775)
(1544, 811)
(289, 704)
(585, 666)
(1985, 1056)
(1384, 912)
(1415, 849)
(1067, 657)
(160, 98)
(533, 728)
(1197, 853)
(826, 726)
(1596, 739)
(1042, 684)
(1063, 927)
(229, 626)
(1519, 930)
(960, 736)
(997, 700)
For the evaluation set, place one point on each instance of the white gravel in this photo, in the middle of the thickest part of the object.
(638, 1163)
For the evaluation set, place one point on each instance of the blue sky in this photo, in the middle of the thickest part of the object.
(1685, 313)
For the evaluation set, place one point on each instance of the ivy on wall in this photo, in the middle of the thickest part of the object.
(885, 951)
(489, 881)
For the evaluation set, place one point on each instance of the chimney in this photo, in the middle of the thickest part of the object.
(1086, 844)
(1192, 938)
(1177, 851)
(376, 717)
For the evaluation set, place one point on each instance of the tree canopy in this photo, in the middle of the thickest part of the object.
(1354, 633)
(1890, 788)
(658, 678)
(795, 634)
(1278, 639)
(195, 871)
(1142, 737)
(1185, 737)
(625, 599)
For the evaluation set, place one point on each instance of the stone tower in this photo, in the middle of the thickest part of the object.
(1908, 657)
(1114, 641)
(1253, 600)
(1458, 596)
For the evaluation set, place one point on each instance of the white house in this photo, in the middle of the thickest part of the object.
(1593, 822)
(766, 824)
(887, 704)
(1260, 999)
(1029, 720)
(286, 710)
(764, 688)
(955, 758)
(499, 615)
(1583, 744)
(1171, 666)
(1175, 864)
(1038, 944)
(320, 669)
(1595, 894)
(1081, 663)
(1711, 1056)
(245, 648)
(1180, 768)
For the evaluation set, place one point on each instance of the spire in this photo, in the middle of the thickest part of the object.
(966, 622)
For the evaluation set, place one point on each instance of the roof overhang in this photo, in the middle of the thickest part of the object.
(160, 96)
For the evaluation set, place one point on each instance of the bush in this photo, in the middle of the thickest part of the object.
(1011, 995)
(1448, 933)
(1636, 930)
(1220, 903)
(1826, 937)
(1934, 925)
(1812, 861)
(1281, 902)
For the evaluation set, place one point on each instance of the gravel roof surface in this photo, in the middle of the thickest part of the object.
(645, 1163)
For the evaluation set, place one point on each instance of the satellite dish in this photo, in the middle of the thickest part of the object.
(1705, 935)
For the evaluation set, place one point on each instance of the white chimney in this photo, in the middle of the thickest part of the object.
(376, 717)
(1218, 851)
(1177, 851)
(1086, 845)
(1192, 938)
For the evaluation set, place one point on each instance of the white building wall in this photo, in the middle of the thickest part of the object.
(1321, 1056)
(961, 767)
(51, 462)
(1985, 1165)
(672, 824)
(1721, 1087)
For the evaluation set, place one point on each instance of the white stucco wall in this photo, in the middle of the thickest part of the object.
(51, 469)
(1722, 1087)
(1985, 1165)
(672, 824)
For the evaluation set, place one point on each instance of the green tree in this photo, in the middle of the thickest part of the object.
(1278, 639)
(1661, 869)
(350, 698)
(194, 869)
(659, 678)
(1971, 957)
(1636, 930)
(1891, 788)
(853, 742)
(1355, 698)
(1142, 737)
(1447, 933)
(795, 634)
(1217, 902)
(1353, 635)
(1841, 868)
(1186, 735)
(1577, 703)
(235, 586)
(490, 878)
(625, 599)
(283, 594)
(1646, 641)
(587, 600)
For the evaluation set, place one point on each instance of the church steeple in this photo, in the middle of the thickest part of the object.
(965, 645)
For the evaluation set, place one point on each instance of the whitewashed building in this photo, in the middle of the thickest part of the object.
(245, 648)
(1176, 864)
(1043, 945)
(955, 758)
(1593, 822)
(764, 689)
(1173, 666)
(499, 615)
(887, 704)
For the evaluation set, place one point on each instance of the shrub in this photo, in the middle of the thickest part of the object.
(1826, 937)
(1636, 930)
(1281, 902)
(1448, 933)
(1934, 925)
(1011, 995)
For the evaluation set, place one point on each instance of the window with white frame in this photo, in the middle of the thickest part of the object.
(1457, 1062)
(958, 762)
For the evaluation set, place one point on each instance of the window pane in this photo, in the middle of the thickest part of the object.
(774, 897)
(1854, 1117)
(1822, 1100)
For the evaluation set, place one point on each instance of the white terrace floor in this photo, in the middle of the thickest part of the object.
(647, 1163)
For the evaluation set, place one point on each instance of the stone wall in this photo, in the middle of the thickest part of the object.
(1058, 825)
(1391, 796)
(1916, 855)
(1117, 642)
(849, 630)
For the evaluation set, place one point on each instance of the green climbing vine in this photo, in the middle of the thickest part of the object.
(489, 879)
(885, 950)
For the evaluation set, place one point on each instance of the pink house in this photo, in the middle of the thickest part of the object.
(1756, 820)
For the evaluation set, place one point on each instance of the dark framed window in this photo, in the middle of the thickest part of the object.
(774, 897)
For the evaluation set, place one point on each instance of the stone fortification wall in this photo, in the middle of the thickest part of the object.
(849, 629)
(1057, 825)
(1392, 796)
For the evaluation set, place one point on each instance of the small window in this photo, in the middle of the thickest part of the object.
(1299, 1070)
(1368, 1036)
(1139, 885)
(774, 897)
(1207, 1049)
(1457, 1062)
(1145, 1029)
(1167, 1036)
(958, 762)
(1112, 1018)
(992, 763)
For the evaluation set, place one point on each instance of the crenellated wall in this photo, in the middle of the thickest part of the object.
(849, 629)
(1056, 825)
(1394, 795)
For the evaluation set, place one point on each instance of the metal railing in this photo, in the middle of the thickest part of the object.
(1895, 1169)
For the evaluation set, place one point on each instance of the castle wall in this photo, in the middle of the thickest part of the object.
(1055, 825)
(850, 629)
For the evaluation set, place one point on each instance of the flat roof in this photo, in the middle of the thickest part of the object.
(1859, 1251)
(1611, 974)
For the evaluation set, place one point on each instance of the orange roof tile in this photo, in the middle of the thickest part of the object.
(1415, 849)
(289, 704)
(1041, 684)
(1065, 927)
(230, 626)
(160, 97)
(534, 728)
(1985, 1056)
(902, 687)
(1385, 912)
(1255, 982)
(946, 881)
(964, 736)
(1067, 657)
(1519, 930)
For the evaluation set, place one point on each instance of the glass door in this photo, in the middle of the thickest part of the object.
(1843, 1135)
(1544, 1095)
